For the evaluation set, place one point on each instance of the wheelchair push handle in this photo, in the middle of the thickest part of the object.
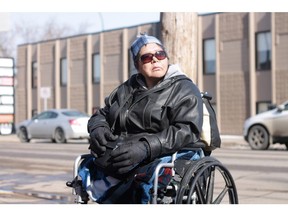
(206, 95)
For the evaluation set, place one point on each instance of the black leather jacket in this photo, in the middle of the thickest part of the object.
(168, 116)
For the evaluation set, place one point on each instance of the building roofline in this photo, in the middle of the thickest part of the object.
(85, 34)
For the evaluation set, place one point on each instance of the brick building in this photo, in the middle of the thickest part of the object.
(242, 62)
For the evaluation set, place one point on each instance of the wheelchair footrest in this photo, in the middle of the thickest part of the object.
(79, 190)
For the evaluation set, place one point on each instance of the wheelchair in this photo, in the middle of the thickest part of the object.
(202, 181)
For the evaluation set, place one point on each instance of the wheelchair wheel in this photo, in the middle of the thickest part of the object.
(207, 181)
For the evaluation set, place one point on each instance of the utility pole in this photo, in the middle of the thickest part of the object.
(179, 36)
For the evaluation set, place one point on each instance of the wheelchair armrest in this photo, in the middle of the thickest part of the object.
(77, 163)
(196, 145)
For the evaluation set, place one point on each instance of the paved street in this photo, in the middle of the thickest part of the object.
(260, 176)
(39, 172)
(36, 172)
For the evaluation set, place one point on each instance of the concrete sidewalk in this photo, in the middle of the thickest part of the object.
(226, 139)
(9, 138)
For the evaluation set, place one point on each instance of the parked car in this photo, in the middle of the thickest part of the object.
(267, 128)
(59, 125)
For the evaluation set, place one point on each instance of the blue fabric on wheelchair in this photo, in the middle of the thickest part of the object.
(97, 184)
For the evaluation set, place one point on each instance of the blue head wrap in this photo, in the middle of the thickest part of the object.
(142, 40)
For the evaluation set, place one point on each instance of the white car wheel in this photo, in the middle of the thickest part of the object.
(59, 136)
(258, 138)
(23, 136)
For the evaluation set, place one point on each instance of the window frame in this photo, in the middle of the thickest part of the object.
(63, 76)
(267, 65)
(258, 103)
(132, 69)
(204, 57)
(96, 68)
(34, 112)
(34, 74)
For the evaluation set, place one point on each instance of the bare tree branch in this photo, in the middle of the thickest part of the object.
(23, 32)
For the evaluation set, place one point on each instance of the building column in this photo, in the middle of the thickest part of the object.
(39, 99)
(252, 66)
(125, 55)
(57, 75)
(217, 75)
(274, 44)
(102, 56)
(199, 80)
(89, 100)
(69, 65)
(29, 82)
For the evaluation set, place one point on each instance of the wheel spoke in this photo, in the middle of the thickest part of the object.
(200, 191)
(200, 184)
(221, 196)
(210, 186)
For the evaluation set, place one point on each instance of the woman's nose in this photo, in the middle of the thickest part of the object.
(155, 59)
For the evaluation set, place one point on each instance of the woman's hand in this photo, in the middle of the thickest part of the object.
(99, 138)
(128, 155)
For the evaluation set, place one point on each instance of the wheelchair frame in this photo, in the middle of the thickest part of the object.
(197, 181)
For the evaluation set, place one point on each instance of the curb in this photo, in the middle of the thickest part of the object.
(224, 138)
(9, 138)
(45, 196)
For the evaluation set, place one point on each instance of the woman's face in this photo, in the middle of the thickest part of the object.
(153, 70)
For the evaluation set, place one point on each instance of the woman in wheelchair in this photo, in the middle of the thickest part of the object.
(154, 114)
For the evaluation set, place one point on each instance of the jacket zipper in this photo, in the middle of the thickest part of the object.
(123, 118)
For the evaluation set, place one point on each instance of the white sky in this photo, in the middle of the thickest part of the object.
(142, 5)
(97, 21)
(122, 13)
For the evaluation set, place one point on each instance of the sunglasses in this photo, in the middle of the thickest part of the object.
(146, 58)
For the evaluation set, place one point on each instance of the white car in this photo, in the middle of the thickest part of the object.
(59, 125)
(267, 128)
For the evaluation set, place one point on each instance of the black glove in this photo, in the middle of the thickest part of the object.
(128, 155)
(99, 138)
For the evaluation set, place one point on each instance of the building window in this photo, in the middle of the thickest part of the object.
(34, 112)
(263, 51)
(96, 68)
(63, 71)
(132, 69)
(34, 75)
(209, 56)
(262, 106)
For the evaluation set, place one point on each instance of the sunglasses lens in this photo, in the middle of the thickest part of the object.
(160, 55)
(146, 58)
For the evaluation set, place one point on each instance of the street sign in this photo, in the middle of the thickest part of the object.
(45, 92)
(7, 110)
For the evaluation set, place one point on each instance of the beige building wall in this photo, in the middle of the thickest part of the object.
(234, 71)
(236, 87)
(281, 57)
